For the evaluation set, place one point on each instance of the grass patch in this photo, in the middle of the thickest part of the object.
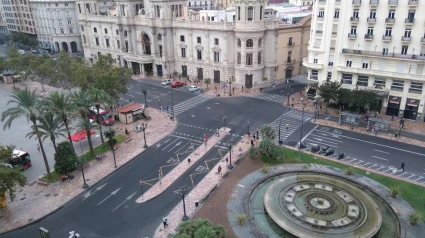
(105, 147)
(412, 193)
(54, 176)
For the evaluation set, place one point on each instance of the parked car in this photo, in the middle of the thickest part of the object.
(22, 52)
(176, 84)
(193, 88)
(166, 82)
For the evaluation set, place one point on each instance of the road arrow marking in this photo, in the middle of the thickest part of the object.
(88, 194)
(113, 193)
(179, 143)
(128, 198)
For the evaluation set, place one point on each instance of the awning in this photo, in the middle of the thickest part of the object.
(412, 102)
(80, 135)
(395, 100)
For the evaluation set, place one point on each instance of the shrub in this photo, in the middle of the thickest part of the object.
(394, 191)
(267, 131)
(414, 218)
(265, 169)
(253, 153)
(65, 158)
(349, 171)
(241, 218)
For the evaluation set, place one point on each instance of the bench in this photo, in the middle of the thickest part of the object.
(128, 139)
(116, 146)
(43, 181)
(101, 155)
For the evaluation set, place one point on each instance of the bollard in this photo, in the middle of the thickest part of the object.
(188, 160)
(196, 203)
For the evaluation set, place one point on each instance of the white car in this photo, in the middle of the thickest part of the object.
(22, 52)
(193, 88)
(166, 82)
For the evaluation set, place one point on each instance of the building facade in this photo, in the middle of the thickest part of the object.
(376, 45)
(4, 32)
(18, 16)
(160, 38)
(57, 25)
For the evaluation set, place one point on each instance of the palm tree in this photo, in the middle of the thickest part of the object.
(110, 135)
(28, 104)
(51, 126)
(98, 97)
(82, 103)
(62, 105)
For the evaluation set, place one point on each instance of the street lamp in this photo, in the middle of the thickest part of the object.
(144, 127)
(248, 128)
(224, 121)
(230, 86)
(301, 134)
(144, 94)
(183, 192)
(288, 88)
(280, 122)
(81, 163)
(230, 166)
(172, 102)
(112, 145)
(216, 90)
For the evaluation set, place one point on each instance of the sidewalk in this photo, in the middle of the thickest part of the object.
(35, 201)
(203, 189)
(31, 85)
(165, 182)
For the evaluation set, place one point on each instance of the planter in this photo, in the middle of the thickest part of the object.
(3, 201)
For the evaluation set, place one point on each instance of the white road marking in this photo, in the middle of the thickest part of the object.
(411, 176)
(420, 177)
(381, 151)
(402, 174)
(365, 164)
(309, 133)
(351, 160)
(360, 161)
(131, 96)
(326, 138)
(180, 137)
(240, 185)
(373, 166)
(170, 143)
(379, 158)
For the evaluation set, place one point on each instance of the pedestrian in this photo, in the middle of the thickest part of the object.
(160, 108)
(164, 222)
(257, 135)
(392, 117)
(402, 166)
(98, 157)
(38, 147)
(219, 170)
(217, 133)
(242, 88)
(252, 142)
(166, 108)
(301, 92)
(129, 99)
(205, 140)
(287, 126)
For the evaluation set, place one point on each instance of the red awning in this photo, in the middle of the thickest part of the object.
(412, 102)
(81, 135)
(395, 100)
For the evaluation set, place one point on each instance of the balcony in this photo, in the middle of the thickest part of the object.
(387, 38)
(311, 65)
(354, 19)
(319, 32)
(413, 3)
(368, 36)
(379, 54)
(390, 20)
(352, 36)
(290, 61)
(423, 40)
(371, 20)
(374, 3)
(392, 3)
(290, 44)
(337, 1)
(409, 21)
(380, 73)
(357, 3)
(405, 39)
(322, 0)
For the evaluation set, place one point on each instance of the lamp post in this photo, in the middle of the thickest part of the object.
(144, 127)
(172, 102)
(288, 88)
(80, 161)
(301, 134)
(216, 90)
(230, 166)
(230, 86)
(248, 128)
(280, 122)
(183, 192)
(144, 94)
(112, 146)
(224, 121)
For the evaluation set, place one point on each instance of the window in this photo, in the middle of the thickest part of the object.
(239, 13)
(329, 76)
(249, 43)
(349, 62)
(384, 51)
(182, 38)
(62, 31)
(370, 31)
(321, 13)
(331, 60)
(216, 56)
(95, 30)
(126, 46)
(239, 43)
(289, 59)
(391, 14)
(415, 87)
(261, 12)
(388, 31)
(84, 39)
(159, 37)
(250, 13)
(404, 49)
(407, 33)
(248, 59)
(259, 58)
(372, 14)
(69, 22)
(107, 42)
(216, 41)
(79, 8)
(71, 31)
(183, 52)
(106, 31)
(290, 41)
(314, 74)
(365, 65)
(199, 55)
(118, 44)
(125, 33)
(347, 78)
(160, 50)
(259, 42)
(336, 14)
(362, 80)
(353, 30)
(97, 40)
(379, 83)
(397, 85)
(117, 32)
(239, 58)
(82, 28)
(315, 61)
(198, 40)
(356, 13)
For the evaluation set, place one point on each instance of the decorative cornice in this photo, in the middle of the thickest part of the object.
(199, 47)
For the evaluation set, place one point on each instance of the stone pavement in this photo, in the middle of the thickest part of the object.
(31, 85)
(165, 182)
(203, 189)
(35, 201)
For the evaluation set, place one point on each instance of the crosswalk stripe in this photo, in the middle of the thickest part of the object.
(267, 97)
(190, 103)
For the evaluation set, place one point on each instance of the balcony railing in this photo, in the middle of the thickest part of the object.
(413, 3)
(357, 2)
(409, 20)
(374, 2)
(368, 36)
(290, 61)
(405, 38)
(384, 37)
(389, 55)
(354, 19)
(352, 36)
(392, 3)
(319, 32)
(370, 19)
(322, 0)
(423, 40)
(390, 20)
(291, 44)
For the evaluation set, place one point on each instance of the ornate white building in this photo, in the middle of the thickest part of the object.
(376, 45)
(162, 37)
(56, 24)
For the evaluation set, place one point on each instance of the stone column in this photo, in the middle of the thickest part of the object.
(141, 69)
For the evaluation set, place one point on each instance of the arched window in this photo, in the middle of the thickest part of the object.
(249, 43)
(94, 29)
(159, 37)
(125, 33)
(259, 42)
(189, 4)
(239, 43)
(261, 12)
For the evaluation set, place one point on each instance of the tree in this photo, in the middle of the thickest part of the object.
(9, 177)
(110, 135)
(65, 158)
(26, 104)
(13, 62)
(207, 81)
(344, 97)
(50, 126)
(200, 228)
(63, 106)
(98, 97)
(68, 71)
(268, 148)
(42, 68)
(267, 131)
(82, 103)
(329, 91)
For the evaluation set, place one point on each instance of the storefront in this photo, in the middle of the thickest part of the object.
(393, 107)
(411, 109)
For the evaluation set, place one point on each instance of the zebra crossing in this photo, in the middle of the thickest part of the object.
(293, 118)
(190, 103)
(268, 97)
